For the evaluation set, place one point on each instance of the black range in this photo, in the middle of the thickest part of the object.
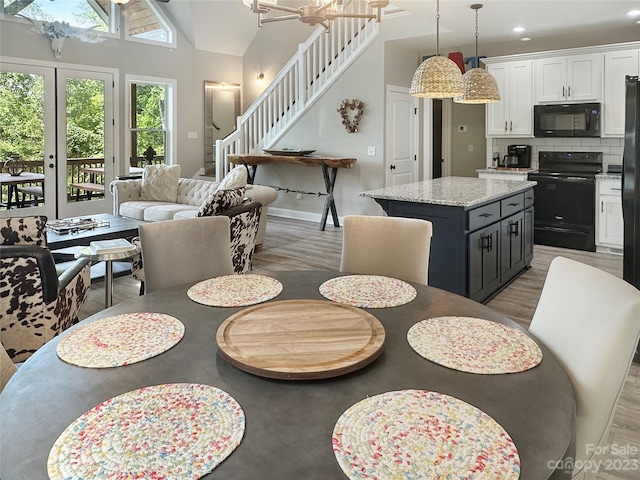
(565, 199)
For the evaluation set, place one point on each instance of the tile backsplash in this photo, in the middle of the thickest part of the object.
(611, 148)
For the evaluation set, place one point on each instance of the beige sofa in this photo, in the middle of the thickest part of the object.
(191, 194)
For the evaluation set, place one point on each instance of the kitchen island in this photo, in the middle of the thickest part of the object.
(482, 229)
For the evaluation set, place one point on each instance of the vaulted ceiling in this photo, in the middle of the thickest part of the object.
(228, 26)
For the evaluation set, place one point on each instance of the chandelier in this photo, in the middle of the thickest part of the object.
(316, 12)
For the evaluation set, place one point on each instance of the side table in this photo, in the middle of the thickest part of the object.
(108, 259)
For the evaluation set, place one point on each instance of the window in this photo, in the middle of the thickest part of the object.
(151, 103)
(145, 22)
(94, 14)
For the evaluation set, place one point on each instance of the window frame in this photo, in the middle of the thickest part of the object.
(161, 18)
(171, 89)
(113, 22)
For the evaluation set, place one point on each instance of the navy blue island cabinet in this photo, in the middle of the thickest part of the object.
(482, 229)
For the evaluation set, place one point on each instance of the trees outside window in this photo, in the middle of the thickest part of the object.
(151, 110)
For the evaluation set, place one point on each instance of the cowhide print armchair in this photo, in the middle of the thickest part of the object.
(35, 304)
(244, 223)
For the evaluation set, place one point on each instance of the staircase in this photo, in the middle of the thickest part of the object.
(303, 80)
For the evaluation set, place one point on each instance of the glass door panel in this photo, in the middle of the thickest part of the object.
(85, 139)
(27, 131)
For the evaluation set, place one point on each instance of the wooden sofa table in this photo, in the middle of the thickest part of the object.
(329, 166)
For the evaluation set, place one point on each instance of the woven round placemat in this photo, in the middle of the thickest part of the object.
(173, 431)
(235, 290)
(474, 345)
(422, 434)
(368, 291)
(120, 340)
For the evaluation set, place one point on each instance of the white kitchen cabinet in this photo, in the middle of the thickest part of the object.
(616, 66)
(513, 114)
(576, 78)
(610, 225)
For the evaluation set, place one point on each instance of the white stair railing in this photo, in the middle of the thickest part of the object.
(316, 65)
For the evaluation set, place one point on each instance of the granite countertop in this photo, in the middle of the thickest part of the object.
(605, 175)
(452, 191)
(518, 171)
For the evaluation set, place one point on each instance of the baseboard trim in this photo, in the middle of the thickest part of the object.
(299, 215)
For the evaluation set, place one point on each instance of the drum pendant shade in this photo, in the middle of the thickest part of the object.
(438, 76)
(479, 85)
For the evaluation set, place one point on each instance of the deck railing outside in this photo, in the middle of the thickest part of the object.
(75, 174)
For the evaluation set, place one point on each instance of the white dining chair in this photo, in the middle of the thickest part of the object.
(175, 252)
(590, 320)
(390, 246)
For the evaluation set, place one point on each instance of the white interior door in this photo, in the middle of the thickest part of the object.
(401, 146)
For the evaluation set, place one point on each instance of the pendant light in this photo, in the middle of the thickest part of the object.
(437, 76)
(479, 85)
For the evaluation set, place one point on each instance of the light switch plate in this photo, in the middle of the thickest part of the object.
(192, 134)
(371, 151)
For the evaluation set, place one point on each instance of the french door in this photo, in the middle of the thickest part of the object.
(60, 122)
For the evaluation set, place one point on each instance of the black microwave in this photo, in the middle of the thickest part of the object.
(567, 120)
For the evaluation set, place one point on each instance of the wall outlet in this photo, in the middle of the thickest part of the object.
(371, 151)
(192, 134)
(470, 147)
(298, 196)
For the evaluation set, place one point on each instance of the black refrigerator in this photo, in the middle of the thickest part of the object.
(631, 188)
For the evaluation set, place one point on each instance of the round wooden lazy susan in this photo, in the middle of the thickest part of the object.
(300, 339)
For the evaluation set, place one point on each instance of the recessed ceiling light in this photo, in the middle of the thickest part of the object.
(518, 29)
(525, 39)
(633, 13)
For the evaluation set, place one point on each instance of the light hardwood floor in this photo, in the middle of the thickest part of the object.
(298, 245)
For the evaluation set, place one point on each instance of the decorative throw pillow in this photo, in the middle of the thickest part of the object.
(236, 178)
(220, 201)
(160, 183)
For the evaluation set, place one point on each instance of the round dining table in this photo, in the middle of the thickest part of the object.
(289, 423)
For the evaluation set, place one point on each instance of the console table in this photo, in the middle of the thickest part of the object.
(329, 166)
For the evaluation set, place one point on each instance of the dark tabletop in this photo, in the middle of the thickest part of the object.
(289, 423)
(118, 227)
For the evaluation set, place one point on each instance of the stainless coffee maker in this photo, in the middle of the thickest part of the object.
(518, 156)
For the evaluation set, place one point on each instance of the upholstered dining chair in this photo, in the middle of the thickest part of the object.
(35, 303)
(7, 367)
(244, 222)
(187, 250)
(590, 320)
(390, 246)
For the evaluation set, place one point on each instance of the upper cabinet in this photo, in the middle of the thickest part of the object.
(513, 114)
(616, 66)
(576, 78)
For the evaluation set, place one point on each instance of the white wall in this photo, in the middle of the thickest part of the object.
(272, 47)
(321, 129)
(611, 148)
(189, 66)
